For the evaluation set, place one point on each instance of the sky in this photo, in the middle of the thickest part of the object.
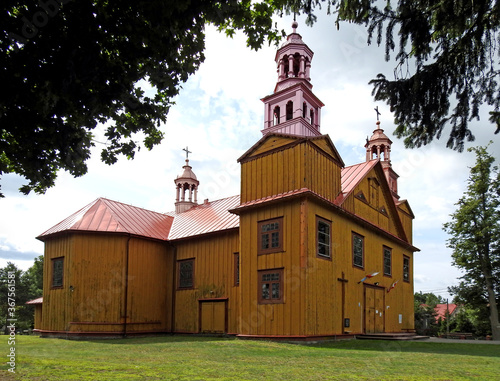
(219, 115)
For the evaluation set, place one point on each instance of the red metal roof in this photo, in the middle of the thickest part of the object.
(109, 216)
(36, 301)
(351, 176)
(205, 218)
(440, 310)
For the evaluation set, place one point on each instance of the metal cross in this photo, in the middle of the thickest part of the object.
(187, 152)
(378, 112)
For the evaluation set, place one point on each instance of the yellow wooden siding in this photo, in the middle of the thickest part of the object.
(281, 318)
(97, 273)
(214, 278)
(38, 316)
(92, 298)
(274, 142)
(296, 167)
(150, 278)
(407, 222)
(56, 301)
(324, 293)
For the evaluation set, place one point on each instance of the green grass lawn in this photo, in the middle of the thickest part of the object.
(209, 358)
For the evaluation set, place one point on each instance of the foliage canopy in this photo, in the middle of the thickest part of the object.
(67, 66)
(475, 238)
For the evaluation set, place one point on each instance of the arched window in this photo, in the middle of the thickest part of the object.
(276, 116)
(304, 110)
(289, 110)
(296, 64)
(311, 115)
(285, 66)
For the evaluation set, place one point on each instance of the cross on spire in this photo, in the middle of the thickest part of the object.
(378, 112)
(187, 152)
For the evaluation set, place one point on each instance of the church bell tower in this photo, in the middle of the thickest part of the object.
(293, 108)
(186, 182)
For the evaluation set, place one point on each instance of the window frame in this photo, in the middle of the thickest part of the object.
(53, 262)
(179, 264)
(270, 250)
(356, 235)
(329, 245)
(406, 269)
(389, 250)
(261, 282)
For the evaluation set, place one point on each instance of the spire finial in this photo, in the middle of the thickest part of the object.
(295, 24)
(378, 113)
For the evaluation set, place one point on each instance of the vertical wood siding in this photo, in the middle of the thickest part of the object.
(92, 298)
(324, 290)
(214, 278)
(300, 166)
(272, 319)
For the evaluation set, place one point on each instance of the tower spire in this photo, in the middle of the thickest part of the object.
(378, 147)
(186, 182)
(293, 108)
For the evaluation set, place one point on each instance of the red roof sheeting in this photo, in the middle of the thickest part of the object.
(109, 216)
(36, 301)
(440, 310)
(351, 176)
(205, 218)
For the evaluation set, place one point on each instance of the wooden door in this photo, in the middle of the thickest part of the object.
(374, 309)
(213, 316)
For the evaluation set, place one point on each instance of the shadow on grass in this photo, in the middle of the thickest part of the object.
(391, 346)
(164, 338)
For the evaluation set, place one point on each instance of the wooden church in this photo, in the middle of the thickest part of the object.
(309, 249)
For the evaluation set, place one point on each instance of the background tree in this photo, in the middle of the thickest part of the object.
(475, 241)
(425, 315)
(28, 286)
(446, 61)
(67, 66)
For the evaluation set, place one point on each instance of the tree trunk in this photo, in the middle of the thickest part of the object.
(495, 325)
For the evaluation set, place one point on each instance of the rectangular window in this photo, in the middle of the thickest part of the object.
(358, 250)
(270, 236)
(387, 261)
(185, 274)
(324, 228)
(270, 286)
(57, 272)
(236, 269)
(406, 268)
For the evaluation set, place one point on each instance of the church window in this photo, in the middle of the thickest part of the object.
(185, 274)
(406, 268)
(289, 110)
(304, 110)
(57, 272)
(270, 236)
(357, 250)
(311, 116)
(296, 64)
(276, 115)
(236, 269)
(270, 286)
(387, 261)
(324, 228)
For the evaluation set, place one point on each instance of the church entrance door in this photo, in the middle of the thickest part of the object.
(374, 309)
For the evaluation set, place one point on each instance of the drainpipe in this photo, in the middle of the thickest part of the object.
(126, 287)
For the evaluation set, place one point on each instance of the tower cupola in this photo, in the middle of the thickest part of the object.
(186, 187)
(378, 147)
(293, 108)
